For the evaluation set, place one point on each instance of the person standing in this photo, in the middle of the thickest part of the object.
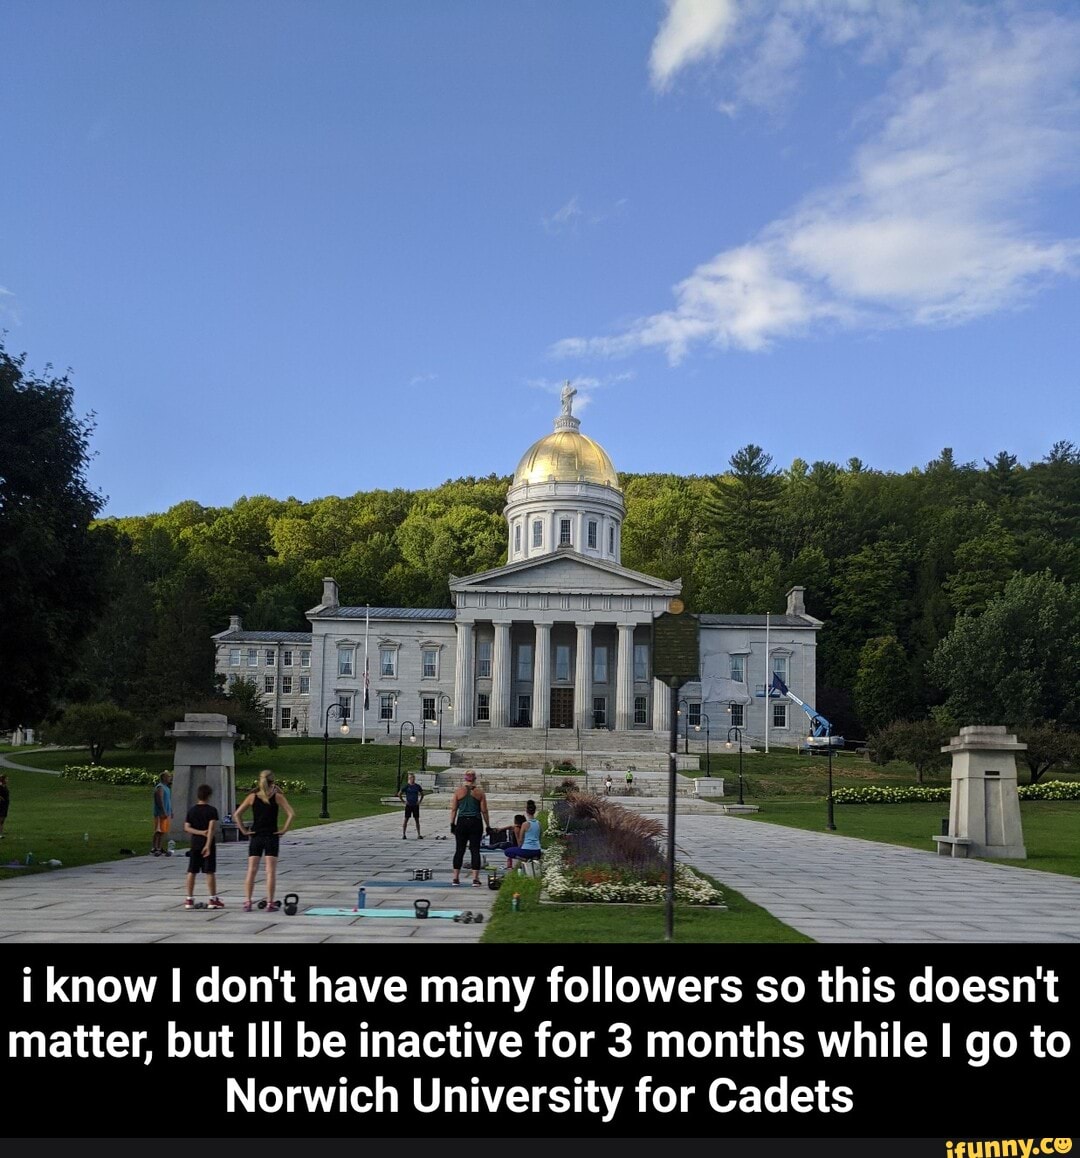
(201, 825)
(162, 813)
(263, 835)
(412, 793)
(5, 803)
(527, 845)
(468, 820)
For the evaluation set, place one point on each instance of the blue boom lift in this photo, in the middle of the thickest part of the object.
(821, 736)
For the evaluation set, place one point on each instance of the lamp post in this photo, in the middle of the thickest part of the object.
(686, 727)
(401, 736)
(708, 759)
(738, 735)
(344, 730)
(393, 712)
(423, 741)
(449, 704)
(829, 824)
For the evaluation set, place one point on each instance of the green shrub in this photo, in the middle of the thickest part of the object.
(143, 778)
(879, 794)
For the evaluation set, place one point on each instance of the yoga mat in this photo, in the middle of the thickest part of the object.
(447, 913)
(410, 884)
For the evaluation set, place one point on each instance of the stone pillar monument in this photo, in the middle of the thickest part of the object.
(204, 755)
(984, 813)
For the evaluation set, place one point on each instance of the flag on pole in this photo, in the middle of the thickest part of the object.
(778, 685)
(367, 685)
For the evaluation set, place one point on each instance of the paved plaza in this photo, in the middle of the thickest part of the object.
(831, 887)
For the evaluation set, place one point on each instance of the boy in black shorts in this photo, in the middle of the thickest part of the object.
(202, 820)
(412, 793)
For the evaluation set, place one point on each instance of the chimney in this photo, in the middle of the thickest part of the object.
(330, 593)
(795, 602)
(234, 623)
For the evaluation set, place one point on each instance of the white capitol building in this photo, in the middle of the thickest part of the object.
(559, 639)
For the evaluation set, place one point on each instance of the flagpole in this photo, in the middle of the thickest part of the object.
(768, 682)
(363, 716)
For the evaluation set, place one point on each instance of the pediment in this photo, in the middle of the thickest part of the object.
(565, 574)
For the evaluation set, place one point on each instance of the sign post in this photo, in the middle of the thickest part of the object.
(676, 661)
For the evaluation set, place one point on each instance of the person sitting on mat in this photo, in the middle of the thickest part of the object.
(528, 840)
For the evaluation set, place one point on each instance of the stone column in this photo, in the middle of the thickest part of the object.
(984, 807)
(583, 678)
(542, 676)
(500, 677)
(624, 688)
(463, 677)
(661, 707)
(204, 755)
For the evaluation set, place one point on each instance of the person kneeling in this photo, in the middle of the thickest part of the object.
(527, 846)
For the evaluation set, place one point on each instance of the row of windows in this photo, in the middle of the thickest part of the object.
(304, 685)
(737, 716)
(429, 662)
(592, 532)
(287, 720)
(238, 656)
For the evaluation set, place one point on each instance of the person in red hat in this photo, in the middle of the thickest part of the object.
(468, 821)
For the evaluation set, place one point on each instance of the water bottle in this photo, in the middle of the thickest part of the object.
(361, 898)
(86, 838)
(515, 903)
(172, 847)
(29, 858)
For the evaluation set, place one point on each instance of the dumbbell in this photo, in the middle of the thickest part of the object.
(261, 904)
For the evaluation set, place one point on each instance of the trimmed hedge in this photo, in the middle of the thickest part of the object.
(140, 777)
(916, 794)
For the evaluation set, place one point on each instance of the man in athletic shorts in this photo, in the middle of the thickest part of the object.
(162, 813)
(412, 793)
(200, 825)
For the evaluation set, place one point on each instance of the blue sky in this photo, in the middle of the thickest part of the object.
(314, 248)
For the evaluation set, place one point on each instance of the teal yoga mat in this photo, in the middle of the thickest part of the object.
(445, 913)
(410, 884)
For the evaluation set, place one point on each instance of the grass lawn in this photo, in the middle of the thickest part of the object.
(1050, 826)
(743, 922)
(49, 815)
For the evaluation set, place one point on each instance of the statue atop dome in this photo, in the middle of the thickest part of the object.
(568, 393)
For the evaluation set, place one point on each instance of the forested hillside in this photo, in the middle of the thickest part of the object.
(889, 561)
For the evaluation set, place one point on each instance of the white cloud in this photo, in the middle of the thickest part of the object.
(585, 385)
(420, 379)
(692, 31)
(566, 218)
(937, 220)
(9, 306)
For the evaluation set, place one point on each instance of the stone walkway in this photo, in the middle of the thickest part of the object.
(833, 888)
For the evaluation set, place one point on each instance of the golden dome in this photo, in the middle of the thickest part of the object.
(566, 456)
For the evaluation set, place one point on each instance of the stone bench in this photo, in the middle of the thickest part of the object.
(953, 845)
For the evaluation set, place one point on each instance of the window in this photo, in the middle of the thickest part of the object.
(564, 532)
(344, 708)
(524, 711)
(779, 666)
(233, 678)
(286, 719)
(599, 711)
(737, 716)
(253, 657)
(599, 665)
(562, 663)
(538, 533)
(779, 715)
(427, 708)
(641, 661)
(234, 657)
(517, 537)
(305, 657)
(641, 709)
(525, 662)
(388, 661)
(286, 685)
(738, 669)
(483, 659)
(430, 657)
(345, 661)
(268, 685)
(693, 715)
(483, 706)
(305, 685)
(611, 540)
(286, 659)
(592, 533)
(268, 718)
(269, 661)
(386, 705)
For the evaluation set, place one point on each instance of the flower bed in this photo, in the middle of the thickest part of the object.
(1051, 790)
(562, 884)
(140, 777)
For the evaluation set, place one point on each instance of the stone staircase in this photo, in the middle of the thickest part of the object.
(596, 751)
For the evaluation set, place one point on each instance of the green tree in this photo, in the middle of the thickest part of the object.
(1049, 746)
(96, 726)
(744, 503)
(50, 565)
(1019, 662)
(883, 683)
(919, 742)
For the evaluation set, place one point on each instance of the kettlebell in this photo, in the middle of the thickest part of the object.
(421, 907)
(291, 904)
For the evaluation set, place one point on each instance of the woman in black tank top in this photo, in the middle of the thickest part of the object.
(264, 835)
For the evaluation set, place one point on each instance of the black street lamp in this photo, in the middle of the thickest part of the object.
(393, 712)
(423, 741)
(830, 825)
(738, 735)
(401, 735)
(686, 727)
(449, 704)
(708, 759)
(344, 730)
